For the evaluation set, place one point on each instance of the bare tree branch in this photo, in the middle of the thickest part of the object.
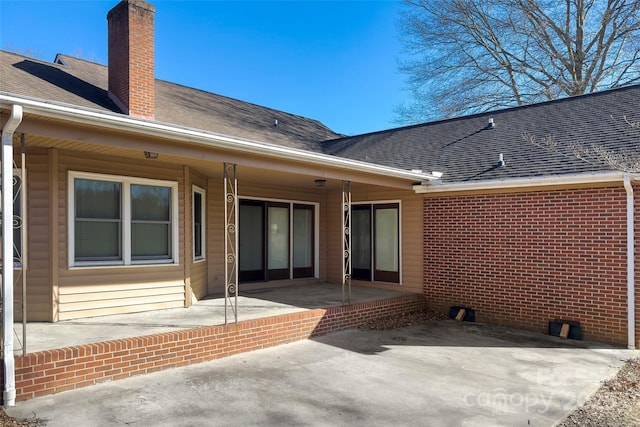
(468, 56)
(625, 161)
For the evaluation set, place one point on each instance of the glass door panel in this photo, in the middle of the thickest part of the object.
(251, 242)
(386, 251)
(361, 242)
(303, 256)
(277, 241)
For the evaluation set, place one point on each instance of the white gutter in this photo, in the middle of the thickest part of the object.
(9, 395)
(631, 315)
(152, 128)
(497, 184)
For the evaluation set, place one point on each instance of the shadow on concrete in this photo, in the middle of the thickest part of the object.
(449, 333)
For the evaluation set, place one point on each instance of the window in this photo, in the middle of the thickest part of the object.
(121, 221)
(276, 240)
(375, 245)
(150, 222)
(198, 223)
(98, 220)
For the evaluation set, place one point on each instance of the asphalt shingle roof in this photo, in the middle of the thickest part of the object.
(83, 83)
(464, 148)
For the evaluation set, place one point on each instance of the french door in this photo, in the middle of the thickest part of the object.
(270, 240)
(375, 244)
(303, 240)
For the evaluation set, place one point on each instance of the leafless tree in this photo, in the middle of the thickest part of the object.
(469, 56)
(595, 154)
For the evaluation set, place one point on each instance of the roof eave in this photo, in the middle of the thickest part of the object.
(110, 120)
(527, 182)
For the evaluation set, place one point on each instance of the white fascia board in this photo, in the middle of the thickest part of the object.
(152, 128)
(497, 184)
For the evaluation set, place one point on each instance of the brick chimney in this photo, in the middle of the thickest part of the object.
(131, 57)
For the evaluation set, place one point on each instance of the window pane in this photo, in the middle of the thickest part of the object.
(361, 238)
(97, 199)
(302, 238)
(97, 220)
(197, 225)
(150, 203)
(150, 240)
(386, 238)
(251, 238)
(278, 247)
(97, 240)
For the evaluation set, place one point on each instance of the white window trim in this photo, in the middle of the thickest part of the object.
(400, 248)
(203, 237)
(316, 216)
(126, 182)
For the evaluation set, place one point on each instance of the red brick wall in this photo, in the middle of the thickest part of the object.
(53, 371)
(522, 259)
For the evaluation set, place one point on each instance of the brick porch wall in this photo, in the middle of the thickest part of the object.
(522, 259)
(54, 371)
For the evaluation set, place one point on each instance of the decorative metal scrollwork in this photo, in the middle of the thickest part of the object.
(231, 240)
(346, 242)
(231, 289)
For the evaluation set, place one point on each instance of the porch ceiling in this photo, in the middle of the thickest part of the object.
(53, 133)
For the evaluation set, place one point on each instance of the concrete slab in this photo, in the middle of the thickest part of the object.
(252, 304)
(438, 374)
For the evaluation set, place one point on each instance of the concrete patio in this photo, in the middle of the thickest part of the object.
(81, 353)
(442, 373)
(252, 304)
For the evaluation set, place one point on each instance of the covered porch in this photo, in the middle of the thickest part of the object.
(122, 219)
(193, 219)
(257, 303)
(83, 352)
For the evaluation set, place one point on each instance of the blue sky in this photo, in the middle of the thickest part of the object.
(334, 61)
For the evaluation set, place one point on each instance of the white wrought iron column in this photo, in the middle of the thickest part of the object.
(346, 242)
(231, 241)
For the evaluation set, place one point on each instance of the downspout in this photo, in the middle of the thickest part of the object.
(631, 317)
(9, 395)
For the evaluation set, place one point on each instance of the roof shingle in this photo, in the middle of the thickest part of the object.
(463, 148)
(466, 149)
(82, 83)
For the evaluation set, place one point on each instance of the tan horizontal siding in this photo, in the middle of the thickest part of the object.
(125, 309)
(252, 189)
(119, 299)
(88, 291)
(199, 279)
(117, 282)
(39, 301)
(198, 270)
(215, 236)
